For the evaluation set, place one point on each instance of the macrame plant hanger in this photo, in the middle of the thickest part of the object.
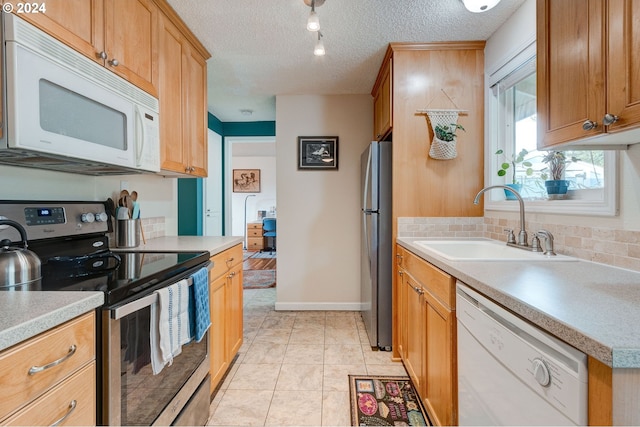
(440, 149)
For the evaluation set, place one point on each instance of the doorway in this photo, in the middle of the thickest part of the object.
(244, 207)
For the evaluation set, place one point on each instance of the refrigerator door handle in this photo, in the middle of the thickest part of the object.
(369, 211)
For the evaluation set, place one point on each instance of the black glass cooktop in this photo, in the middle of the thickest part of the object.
(119, 274)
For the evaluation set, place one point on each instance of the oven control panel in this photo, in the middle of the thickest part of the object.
(46, 219)
(44, 216)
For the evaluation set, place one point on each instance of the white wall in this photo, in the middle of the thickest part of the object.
(318, 211)
(504, 43)
(263, 200)
(157, 195)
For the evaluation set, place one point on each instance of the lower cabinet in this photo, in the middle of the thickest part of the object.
(225, 305)
(50, 379)
(427, 334)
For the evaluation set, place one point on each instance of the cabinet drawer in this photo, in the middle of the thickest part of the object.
(18, 387)
(254, 232)
(255, 243)
(225, 260)
(75, 396)
(255, 226)
(437, 282)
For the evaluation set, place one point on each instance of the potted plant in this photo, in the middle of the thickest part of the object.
(511, 163)
(554, 181)
(447, 132)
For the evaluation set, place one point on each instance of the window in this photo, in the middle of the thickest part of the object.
(513, 136)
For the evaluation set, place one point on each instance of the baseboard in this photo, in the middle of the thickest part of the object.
(318, 306)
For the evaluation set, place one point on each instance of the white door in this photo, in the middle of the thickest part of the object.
(213, 188)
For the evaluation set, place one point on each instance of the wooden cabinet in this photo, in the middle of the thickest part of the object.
(427, 334)
(587, 72)
(39, 391)
(118, 34)
(255, 241)
(422, 186)
(382, 100)
(183, 100)
(225, 304)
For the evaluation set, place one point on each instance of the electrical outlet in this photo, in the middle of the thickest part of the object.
(124, 185)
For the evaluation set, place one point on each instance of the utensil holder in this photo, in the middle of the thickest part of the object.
(128, 233)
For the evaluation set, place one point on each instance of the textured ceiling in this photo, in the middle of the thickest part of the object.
(262, 48)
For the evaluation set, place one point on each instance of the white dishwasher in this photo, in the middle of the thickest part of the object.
(513, 373)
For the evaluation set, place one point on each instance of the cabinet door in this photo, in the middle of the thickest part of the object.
(382, 105)
(76, 23)
(571, 69)
(414, 362)
(234, 312)
(440, 391)
(623, 74)
(217, 335)
(171, 48)
(131, 39)
(194, 70)
(403, 316)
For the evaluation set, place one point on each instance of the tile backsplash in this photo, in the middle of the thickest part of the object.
(616, 247)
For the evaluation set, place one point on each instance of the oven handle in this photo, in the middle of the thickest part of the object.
(139, 304)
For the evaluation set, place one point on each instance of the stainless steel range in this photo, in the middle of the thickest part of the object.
(71, 240)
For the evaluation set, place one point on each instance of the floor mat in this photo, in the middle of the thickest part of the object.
(258, 279)
(385, 401)
(263, 255)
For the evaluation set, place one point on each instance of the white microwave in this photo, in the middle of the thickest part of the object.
(66, 112)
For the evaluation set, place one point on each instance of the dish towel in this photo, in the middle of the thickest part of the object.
(169, 325)
(199, 310)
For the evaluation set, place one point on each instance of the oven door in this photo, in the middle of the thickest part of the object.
(131, 394)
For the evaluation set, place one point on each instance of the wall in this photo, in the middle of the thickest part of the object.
(157, 195)
(610, 240)
(319, 211)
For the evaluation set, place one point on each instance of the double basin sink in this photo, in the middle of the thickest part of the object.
(483, 250)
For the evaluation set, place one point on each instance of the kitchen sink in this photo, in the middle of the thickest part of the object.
(483, 250)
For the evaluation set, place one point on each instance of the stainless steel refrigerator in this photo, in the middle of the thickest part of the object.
(376, 244)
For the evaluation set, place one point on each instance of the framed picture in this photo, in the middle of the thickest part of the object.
(246, 180)
(318, 152)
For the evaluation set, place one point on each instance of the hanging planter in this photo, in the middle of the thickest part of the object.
(444, 124)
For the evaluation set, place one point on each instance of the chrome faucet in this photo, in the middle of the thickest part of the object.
(522, 235)
(548, 241)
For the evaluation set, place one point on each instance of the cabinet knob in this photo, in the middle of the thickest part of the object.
(101, 55)
(114, 62)
(609, 119)
(589, 125)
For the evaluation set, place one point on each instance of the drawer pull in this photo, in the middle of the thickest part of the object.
(72, 407)
(35, 369)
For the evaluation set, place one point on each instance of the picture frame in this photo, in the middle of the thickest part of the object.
(246, 180)
(317, 153)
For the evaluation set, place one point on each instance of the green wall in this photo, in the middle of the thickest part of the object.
(190, 200)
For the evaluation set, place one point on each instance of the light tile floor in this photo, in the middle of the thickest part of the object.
(293, 367)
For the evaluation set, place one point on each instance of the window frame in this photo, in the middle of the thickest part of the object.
(518, 65)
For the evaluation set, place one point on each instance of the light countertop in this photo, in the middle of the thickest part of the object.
(593, 307)
(25, 314)
(212, 244)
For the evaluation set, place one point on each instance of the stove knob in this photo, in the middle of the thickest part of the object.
(541, 372)
(101, 217)
(88, 217)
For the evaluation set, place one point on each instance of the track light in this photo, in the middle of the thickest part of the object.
(313, 23)
(319, 49)
(478, 6)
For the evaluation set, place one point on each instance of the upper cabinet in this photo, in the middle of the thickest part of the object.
(183, 100)
(119, 34)
(382, 99)
(588, 79)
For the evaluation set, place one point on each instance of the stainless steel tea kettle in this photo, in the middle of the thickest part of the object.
(19, 267)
